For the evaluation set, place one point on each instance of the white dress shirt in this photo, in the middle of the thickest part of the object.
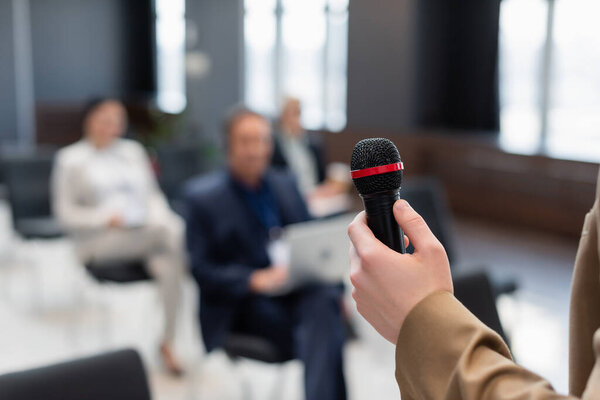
(301, 162)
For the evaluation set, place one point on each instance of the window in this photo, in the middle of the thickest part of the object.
(550, 77)
(297, 48)
(170, 55)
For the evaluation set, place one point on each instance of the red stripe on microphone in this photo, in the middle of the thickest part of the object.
(382, 169)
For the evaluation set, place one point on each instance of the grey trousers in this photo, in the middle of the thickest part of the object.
(160, 245)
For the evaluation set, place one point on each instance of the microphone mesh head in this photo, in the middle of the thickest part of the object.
(375, 152)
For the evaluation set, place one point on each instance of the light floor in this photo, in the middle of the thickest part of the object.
(51, 311)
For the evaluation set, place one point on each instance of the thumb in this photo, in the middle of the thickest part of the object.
(414, 226)
(361, 236)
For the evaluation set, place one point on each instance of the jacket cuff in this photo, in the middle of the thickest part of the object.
(433, 339)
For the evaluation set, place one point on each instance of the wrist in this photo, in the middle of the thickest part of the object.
(415, 309)
(252, 282)
(255, 282)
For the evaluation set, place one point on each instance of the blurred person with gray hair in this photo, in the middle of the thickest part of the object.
(105, 194)
(302, 153)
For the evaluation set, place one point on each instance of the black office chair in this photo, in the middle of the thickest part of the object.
(240, 345)
(113, 272)
(427, 197)
(26, 175)
(118, 375)
(474, 289)
(118, 271)
(176, 165)
(27, 179)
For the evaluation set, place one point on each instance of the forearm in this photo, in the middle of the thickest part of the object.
(74, 217)
(229, 281)
(444, 352)
(66, 208)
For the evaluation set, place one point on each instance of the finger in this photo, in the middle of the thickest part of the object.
(413, 225)
(353, 254)
(282, 277)
(354, 259)
(361, 236)
(371, 314)
(282, 274)
(406, 241)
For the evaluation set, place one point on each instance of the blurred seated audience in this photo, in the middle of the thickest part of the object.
(324, 188)
(231, 217)
(105, 195)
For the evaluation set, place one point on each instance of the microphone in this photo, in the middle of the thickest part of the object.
(376, 171)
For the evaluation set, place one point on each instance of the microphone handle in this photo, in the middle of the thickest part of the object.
(381, 220)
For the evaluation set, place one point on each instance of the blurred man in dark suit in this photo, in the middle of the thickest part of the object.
(232, 216)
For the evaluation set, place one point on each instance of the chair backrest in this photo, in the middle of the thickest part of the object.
(118, 375)
(474, 290)
(240, 345)
(427, 197)
(27, 179)
(118, 271)
(176, 165)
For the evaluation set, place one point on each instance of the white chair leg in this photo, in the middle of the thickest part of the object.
(28, 257)
(6, 277)
(37, 282)
(279, 386)
(245, 384)
(105, 320)
(277, 390)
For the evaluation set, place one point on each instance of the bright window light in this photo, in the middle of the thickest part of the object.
(558, 116)
(298, 48)
(170, 55)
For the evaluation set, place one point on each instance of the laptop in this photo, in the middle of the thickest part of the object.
(318, 252)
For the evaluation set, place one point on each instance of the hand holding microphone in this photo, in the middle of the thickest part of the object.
(388, 284)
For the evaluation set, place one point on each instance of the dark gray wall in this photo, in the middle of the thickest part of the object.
(220, 37)
(381, 58)
(86, 36)
(78, 48)
(8, 117)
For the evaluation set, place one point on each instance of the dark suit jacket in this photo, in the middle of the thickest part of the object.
(315, 147)
(227, 242)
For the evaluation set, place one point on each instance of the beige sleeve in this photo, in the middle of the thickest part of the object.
(72, 215)
(445, 352)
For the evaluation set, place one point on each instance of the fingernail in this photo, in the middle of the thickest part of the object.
(401, 204)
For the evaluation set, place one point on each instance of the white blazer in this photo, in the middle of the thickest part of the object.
(90, 185)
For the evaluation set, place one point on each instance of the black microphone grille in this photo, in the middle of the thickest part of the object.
(375, 152)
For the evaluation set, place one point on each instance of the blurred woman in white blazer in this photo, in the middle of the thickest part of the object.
(107, 198)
